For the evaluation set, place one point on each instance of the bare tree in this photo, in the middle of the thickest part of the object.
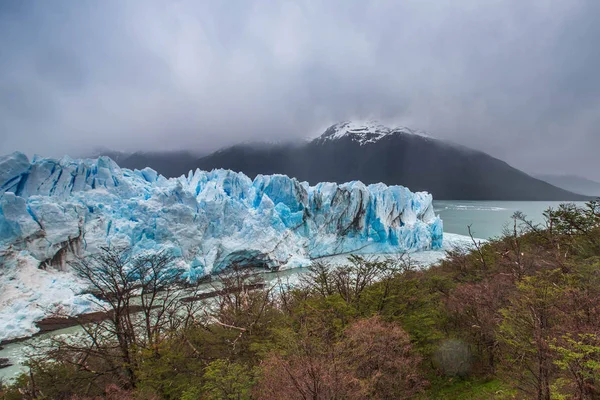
(478, 248)
(350, 280)
(242, 300)
(139, 297)
(318, 278)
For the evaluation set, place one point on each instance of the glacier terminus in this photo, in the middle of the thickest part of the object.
(53, 210)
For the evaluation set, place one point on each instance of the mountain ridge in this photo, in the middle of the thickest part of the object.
(168, 163)
(420, 162)
(372, 153)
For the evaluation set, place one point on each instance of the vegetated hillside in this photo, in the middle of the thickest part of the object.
(373, 153)
(573, 183)
(514, 318)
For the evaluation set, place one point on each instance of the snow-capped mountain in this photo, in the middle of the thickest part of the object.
(365, 132)
(371, 153)
(52, 210)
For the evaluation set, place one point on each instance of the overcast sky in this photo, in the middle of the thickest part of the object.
(519, 79)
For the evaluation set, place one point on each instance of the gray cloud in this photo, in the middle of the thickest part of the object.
(518, 79)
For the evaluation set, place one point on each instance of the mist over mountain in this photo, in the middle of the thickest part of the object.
(371, 153)
(573, 183)
(374, 153)
(169, 163)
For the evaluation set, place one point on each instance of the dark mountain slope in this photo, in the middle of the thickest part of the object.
(168, 163)
(373, 153)
(573, 183)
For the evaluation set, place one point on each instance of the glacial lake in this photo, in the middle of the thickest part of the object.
(487, 220)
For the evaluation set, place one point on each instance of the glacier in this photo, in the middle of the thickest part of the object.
(52, 210)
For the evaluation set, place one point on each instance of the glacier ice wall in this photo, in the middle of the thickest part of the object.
(52, 208)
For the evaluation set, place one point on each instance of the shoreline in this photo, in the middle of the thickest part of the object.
(51, 324)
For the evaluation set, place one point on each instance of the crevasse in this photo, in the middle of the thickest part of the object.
(51, 208)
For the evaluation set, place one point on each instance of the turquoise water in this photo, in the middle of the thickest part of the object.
(487, 218)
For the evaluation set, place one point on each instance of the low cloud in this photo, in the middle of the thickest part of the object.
(517, 79)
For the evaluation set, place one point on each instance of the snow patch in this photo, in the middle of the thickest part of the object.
(365, 132)
(30, 294)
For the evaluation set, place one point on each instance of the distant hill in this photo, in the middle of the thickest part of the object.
(168, 163)
(573, 183)
(396, 156)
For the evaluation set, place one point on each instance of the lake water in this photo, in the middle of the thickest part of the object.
(487, 219)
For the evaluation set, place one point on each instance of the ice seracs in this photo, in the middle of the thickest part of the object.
(53, 210)
(365, 132)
